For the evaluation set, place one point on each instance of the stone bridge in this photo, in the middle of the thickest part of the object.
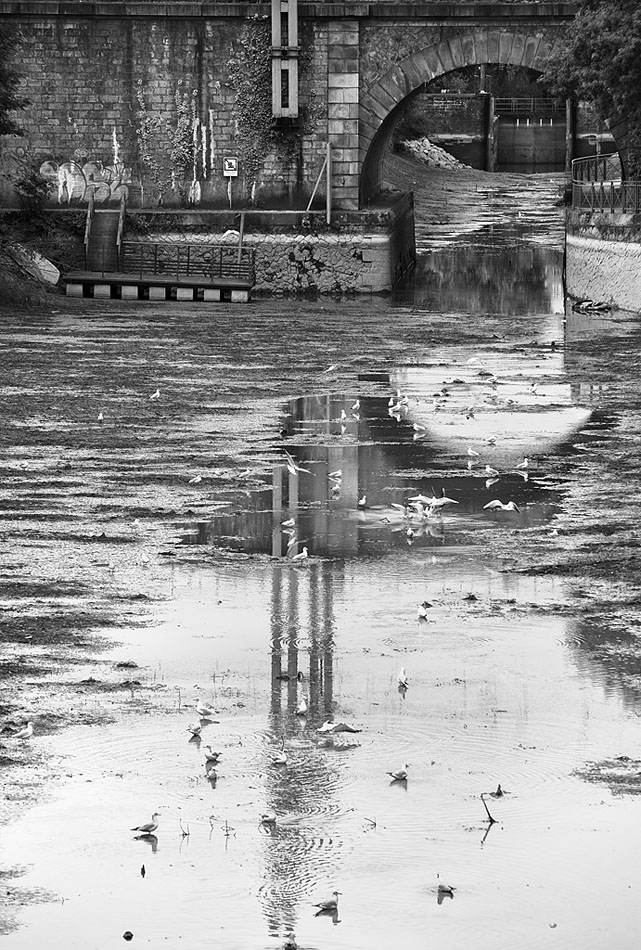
(118, 89)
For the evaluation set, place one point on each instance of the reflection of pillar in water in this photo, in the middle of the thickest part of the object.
(321, 626)
(277, 510)
(276, 637)
(291, 631)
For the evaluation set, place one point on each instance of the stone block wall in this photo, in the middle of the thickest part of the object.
(603, 258)
(90, 77)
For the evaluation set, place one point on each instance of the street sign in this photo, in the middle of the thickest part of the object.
(230, 167)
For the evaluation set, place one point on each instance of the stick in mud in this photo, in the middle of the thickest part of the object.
(491, 820)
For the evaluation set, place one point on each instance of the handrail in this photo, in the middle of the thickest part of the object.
(597, 168)
(121, 225)
(186, 261)
(521, 105)
(88, 224)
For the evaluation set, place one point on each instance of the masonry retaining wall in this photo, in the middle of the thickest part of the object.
(603, 258)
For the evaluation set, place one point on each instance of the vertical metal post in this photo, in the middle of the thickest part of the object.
(329, 183)
(240, 236)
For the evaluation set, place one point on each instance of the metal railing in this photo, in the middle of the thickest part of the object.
(187, 262)
(121, 226)
(597, 185)
(88, 224)
(525, 106)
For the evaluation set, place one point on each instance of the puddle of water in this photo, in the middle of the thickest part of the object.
(196, 583)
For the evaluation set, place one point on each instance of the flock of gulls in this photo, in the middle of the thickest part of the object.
(269, 820)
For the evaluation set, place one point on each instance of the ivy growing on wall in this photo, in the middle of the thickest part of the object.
(250, 75)
(167, 147)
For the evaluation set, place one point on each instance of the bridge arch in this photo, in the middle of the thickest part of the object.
(381, 104)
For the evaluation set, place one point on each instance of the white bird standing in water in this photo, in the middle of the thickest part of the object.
(211, 756)
(149, 827)
(403, 680)
(155, 395)
(400, 775)
(195, 480)
(25, 733)
(204, 710)
(422, 610)
(328, 906)
(280, 758)
(268, 818)
(496, 505)
(300, 558)
(195, 730)
(301, 709)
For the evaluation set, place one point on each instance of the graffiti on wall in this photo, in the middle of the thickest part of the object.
(74, 180)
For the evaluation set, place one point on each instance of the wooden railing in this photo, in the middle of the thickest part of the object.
(597, 185)
(184, 262)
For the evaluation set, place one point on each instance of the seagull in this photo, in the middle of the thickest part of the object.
(100, 417)
(210, 755)
(195, 480)
(444, 888)
(497, 505)
(293, 468)
(195, 730)
(204, 710)
(400, 775)
(300, 558)
(490, 481)
(210, 772)
(442, 501)
(155, 395)
(357, 405)
(403, 679)
(362, 502)
(337, 475)
(418, 427)
(25, 733)
(329, 726)
(329, 906)
(148, 827)
(422, 610)
(290, 942)
(523, 464)
(491, 472)
(301, 709)
(269, 818)
(498, 793)
(290, 523)
(472, 453)
(281, 757)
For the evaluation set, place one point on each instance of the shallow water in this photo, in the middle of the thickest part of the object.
(520, 675)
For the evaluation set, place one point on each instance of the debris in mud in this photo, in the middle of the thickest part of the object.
(622, 774)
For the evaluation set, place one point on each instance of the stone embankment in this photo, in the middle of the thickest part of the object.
(603, 257)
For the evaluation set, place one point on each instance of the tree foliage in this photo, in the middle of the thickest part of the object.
(601, 63)
(10, 101)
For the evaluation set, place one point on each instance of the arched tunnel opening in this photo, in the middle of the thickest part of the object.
(494, 117)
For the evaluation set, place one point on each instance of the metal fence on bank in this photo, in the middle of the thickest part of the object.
(598, 185)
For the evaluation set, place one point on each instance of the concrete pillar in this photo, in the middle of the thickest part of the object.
(129, 292)
(184, 293)
(102, 291)
(211, 294)
(74, 290)
(342, 111)
(157, 293)
(240, 296)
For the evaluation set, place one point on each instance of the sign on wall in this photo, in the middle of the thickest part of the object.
(230, 167)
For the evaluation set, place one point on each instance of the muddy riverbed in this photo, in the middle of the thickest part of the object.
(164, 471)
